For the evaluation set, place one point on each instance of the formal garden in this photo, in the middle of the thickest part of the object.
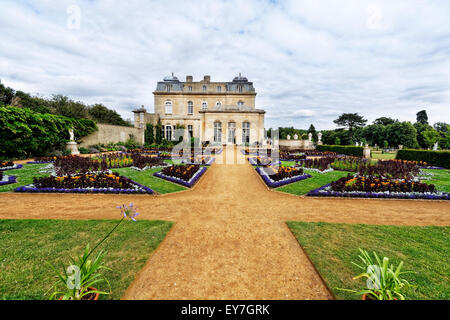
(109, 253)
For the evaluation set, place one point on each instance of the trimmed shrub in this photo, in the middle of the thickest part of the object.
(25, 133)
(347, 150)
(432, 158)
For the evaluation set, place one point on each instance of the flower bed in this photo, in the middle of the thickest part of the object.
(9, 165)
(205, 161)
(4, 179)
(320, 164)
(186, 175)
(373, 187)
(261, 161)
(85, 183)
(281, 177)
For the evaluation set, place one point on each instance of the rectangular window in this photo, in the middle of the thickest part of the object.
(190, 130)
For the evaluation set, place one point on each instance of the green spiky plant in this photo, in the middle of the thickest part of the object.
(384, 282)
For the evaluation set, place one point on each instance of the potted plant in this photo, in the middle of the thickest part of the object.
(383, 282)
(79, 278)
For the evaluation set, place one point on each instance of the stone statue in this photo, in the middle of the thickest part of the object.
(72, 138)
(288, 137)
(310, 137)
(295, 137)
(319, 136)
(435, 147)
(357, 144)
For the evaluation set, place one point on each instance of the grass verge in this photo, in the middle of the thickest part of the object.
(424, 250)
(317, 180)
(440, 178)
(146, 178)
(24, 176)
(28, 244)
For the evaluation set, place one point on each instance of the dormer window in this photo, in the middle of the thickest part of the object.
(168, 87)
(204, 88)
(219, 89)
(240, 89)
(190, 88)
(168, 106)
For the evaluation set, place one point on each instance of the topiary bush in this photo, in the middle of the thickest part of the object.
(25, 133)
(432, 158)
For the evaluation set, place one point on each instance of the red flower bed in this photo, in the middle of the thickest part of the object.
(4, 164)
(100, 180)
(283, 172)
(376, 184)
(184, 172)
(318, 163)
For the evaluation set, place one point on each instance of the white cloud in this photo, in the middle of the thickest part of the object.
(309, 60)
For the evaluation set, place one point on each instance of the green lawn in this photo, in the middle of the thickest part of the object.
(146, 178)
(424, 250)
(24, 176)
(317, 180)
(28, 244)
(383, 156)
(440, 178)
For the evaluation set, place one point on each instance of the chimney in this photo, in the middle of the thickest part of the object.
(189, 78)
(207, 78)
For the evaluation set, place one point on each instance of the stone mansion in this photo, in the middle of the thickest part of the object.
(218, 112)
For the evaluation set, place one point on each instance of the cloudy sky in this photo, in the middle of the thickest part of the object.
(309, 60)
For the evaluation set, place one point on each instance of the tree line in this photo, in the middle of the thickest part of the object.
(60, 105)
(383, 132)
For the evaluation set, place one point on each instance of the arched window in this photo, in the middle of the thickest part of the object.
(168, 132)
(246, 132)
(204, 88)
(218, 131)
(219, 89)
(204, 105)
(168, 106)
(190, 107)
(190, 88)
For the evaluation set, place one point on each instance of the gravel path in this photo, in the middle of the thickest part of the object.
(230, 240)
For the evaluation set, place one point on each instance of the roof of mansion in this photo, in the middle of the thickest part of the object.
(171, 84)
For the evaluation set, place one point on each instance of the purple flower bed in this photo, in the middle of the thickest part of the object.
(254, 163)
(275, 184)
(321, 192)
(141, 190)
(11, 179)
(185, 183)
(433, 168)
(39, 162)
(208, 163)
(16, 166)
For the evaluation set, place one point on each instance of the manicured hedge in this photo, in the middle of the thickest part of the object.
(24, 133)
(432, 158)
(347, 150)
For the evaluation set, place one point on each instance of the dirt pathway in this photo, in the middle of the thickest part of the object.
(230, 240)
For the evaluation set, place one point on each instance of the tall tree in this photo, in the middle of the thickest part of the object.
(422, 117)
(102, 114)
(430, 137)
(402, 133)
(384, 121)
(313, 131)
(350, 121)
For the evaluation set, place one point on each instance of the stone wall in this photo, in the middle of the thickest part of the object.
(295, 144)
(109, 133)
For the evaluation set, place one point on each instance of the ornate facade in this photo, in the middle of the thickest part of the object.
(218, 112)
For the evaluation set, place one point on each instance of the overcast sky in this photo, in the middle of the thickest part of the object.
(309, 60)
